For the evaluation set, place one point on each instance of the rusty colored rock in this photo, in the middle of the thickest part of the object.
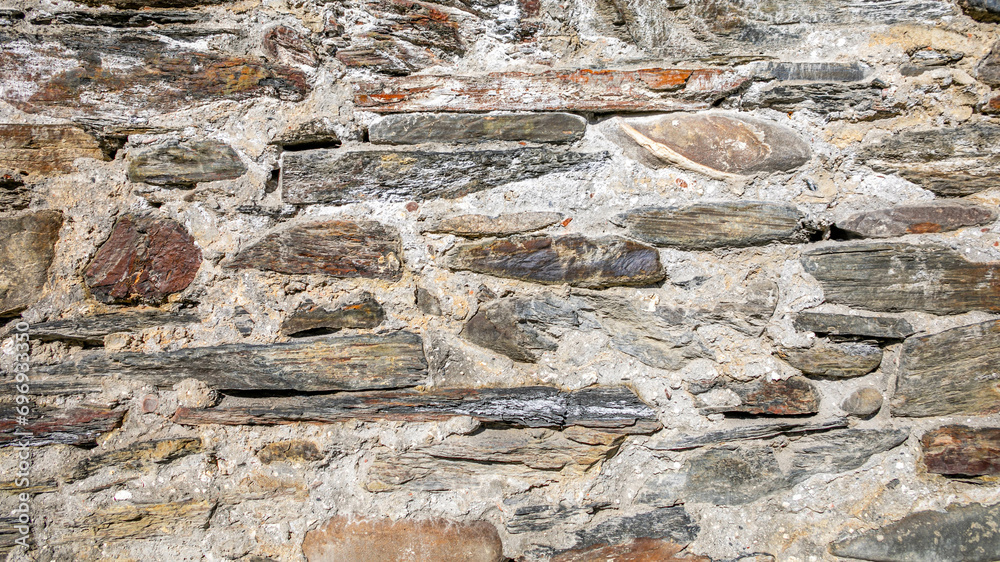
(572, 259)
(25, 256)
(602, 91)
(336, 247)
(131, 522)
(68, 426)
(959, 450)
(406, 540)
(287, 46)
(136, 456)
(414, 128)
(296, 450)
(915, 219)
(789, 397)
(990, 105)
(835, 360)
(361, 312)
(863, 402)
(636, 550)
(479, 226)
(184, 164)
(146, 259)
(45, 149)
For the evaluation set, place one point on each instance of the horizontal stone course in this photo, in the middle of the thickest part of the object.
(415, 128)
(185, 164)
(45, 149)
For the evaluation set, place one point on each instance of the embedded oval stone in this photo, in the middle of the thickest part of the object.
(185, 163)
(863, 402)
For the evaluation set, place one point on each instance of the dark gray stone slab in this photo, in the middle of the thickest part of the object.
(854, 101)
(744, 432)
(520, 328)
(988, 69)
(118, 18)
(813, 71)
(92, 329)
(881, 327)
(915, 219)
(665, 523)
(415, 128)
(982, 10)
(184, 164)
(835, 360)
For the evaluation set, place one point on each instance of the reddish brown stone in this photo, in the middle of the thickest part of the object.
(145, 260)
(605, 91)
(962, 450)
(990, 105)
(45, 149)
(383, 540)
(68, 426)
(915, 219)
(287, 46)
(638, 550)
(790, 397)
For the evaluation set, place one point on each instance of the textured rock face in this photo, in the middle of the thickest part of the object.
(882, 327)
(185, 164)
(962, 450)
(838, 360)
(517, 327)
(915, 219)
(45, 149)
(863, 402)
(416, 128)
(433, 540)
(479, 226)
(362, 312)
(146, 259)
(25, 257)
(791, 397)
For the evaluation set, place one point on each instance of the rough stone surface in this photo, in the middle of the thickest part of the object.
(429, 540)
(146, 259)
(846, 101)
(637, 550)
(290, 451)
(92, 329)
(68, 426)
(863, 402)
(45, 149)
(519, 328)
(834, 360)
(479, 226)
(25, 257)
(962, 450)
(915, 219)
(184, 164)
(363, 312)
(982, 10)
(790, 397)
(135, 457)
(880, 327)
(415, 128)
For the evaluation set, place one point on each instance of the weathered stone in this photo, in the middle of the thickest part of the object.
(316, 133)
(835, 360)
(361, 362)
(602, 91)
(951, 372)
(146, 4)
(613, 409)
(45, 149)
(146, 259)
(92, 329)
(850, 101)
(520, 328)
(25, 256)
(896, 277)
(14, 195)
(571, 259)
(296, 450)
(141, 521)
(118, 18)
(479, 226)
(982, 10)
(789, 397)
(863, 402)
(681, 440)
(361, 312)
(813, 71)
(704, 226)
(881, 327)
(636, 550)
(669, 350)
(915, 219)
(960, 533)
(325, 176)
(672, 523)
(928, 59)
(952, 162)
(184, 164)
(287, 46)
(336, 247)
(990, 105)
(85, 74)
(716, 144)
(427, 302)
(523, 515)
(68, 426)
(382, 540)
(415, 128)
(962, 450)
(135, 457)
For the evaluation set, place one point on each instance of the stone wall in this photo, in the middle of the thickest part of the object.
(485, 280)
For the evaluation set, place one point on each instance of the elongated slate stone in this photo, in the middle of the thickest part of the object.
(704, 226)
(813, 71)
(92, 329)
(337, 248)
(118, 18)
(361, 362)
(680, 440)
(854, 101)
(716, 144)
(328, 176)
(960, 533)
(603, 91)
(951, 372)
(635, 550)
(479, 226)
(915, 219)
(835, 360)
(130, 522)
(361, 312)
(45, 149)
(67, 426)
(572, 259)
(184, 164)
(145, 259)
(415, 128)
(135, 456)
(881, 327)
(373, 540)
(962, 450)
(25, 256)
(519, 327)
(896, 277)
(665, 523)
(609, 408)
(982, 10)
(951, 162)
(789, 397)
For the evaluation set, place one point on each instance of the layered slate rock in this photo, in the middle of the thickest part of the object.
(988, 69)
(951, 162)
(855, 101)
(915, 219)
(896, 277)
(880, 327)
(146, 259)
(108, 76)
(863, 402)
(287, 46)
(834, 360)
(130, 522)
(379, 540)
(118, 18)
(680, 440)
(67, 426)
(705, 226)
(327, 176)
(25, 257)
(602, 91)
(137, 456)
(812, 71)
(571, 259)
(951, 372)
(361, 312)
(964, 533)
(520, 328)
(361, 362)
(14, 195)
(672, 523)
(788, 397)
(613, 409)
(415, 128)
(960, 450)
(716, 144)
(479, 226)
(92, 329)
(337, 248)
(315, 133)
(45, 149)
(185, 164)
(929, 59)
(296, 450)
(981, 10)
(636, 550)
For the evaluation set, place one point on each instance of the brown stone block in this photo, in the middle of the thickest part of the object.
(915, 219)
(962, 451)
(45, 149)
(25, 256)
(789, 397)
(637, 550)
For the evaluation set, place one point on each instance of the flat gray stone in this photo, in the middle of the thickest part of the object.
(184, 164)
(415, 128)
(520, 328)
(835, 360)
(479, 226)
(881, 327)
(915, 219)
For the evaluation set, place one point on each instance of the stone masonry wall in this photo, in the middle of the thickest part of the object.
(500, 280)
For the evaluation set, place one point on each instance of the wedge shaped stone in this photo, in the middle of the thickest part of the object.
(915, 219)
